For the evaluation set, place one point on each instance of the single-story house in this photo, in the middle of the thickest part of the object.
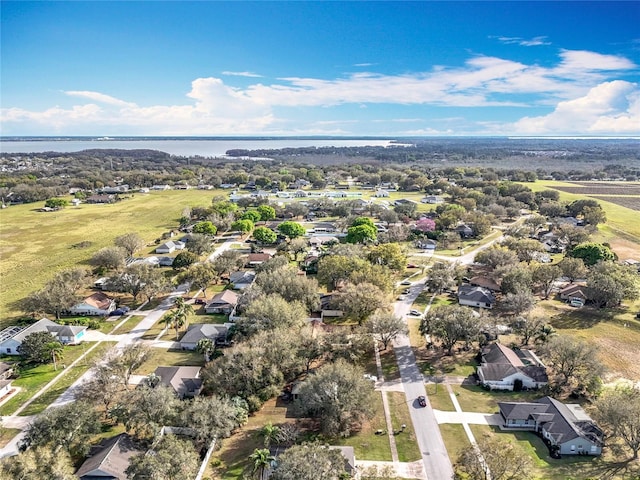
(567, 427)
(95, 304)
(165, 261)
(319, 240)
(433, 199)
(327, 310)
(101, 199)
(170, 246)
(475, 296)
(11, 337)
(68, 334)
(255, 259)
(501, 367)
(381, 194)
(485, 282)
(426, 244)
(465, 231)
(223, 302)
(241, 280)
(574, 294)
(197, 331)
(405, 201)
(185, 381)
(101, 283)
(109, 460)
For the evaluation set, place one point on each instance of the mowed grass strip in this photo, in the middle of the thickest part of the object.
(34, 245)
(439, 397)
(455, 439)
(406, 443)
(65, 381)
(33, 378)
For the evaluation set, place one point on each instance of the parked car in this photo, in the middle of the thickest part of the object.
(405, 282)
(200, 301)
(422, 401)
(415, 313)
(402, 297)
(411, 265)
(119, 311)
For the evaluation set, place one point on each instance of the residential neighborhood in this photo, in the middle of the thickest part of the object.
(439, 324)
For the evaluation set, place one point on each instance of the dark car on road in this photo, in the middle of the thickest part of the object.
(422, 401)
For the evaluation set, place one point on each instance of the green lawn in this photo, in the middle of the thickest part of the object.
(406, 444)
(70, 376)
(455, 440)
(368, 445)
(33, 378)
(44, 243)
(568, 467)
(439, 397)
(128, 325)
(161, 357)
(473, 398)
(6, 434)
(389, 364)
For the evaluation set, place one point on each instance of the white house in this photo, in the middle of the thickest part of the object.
(12, 337)
(170, 246)
(566, 427)
(475, 296)
(501, 368)
(97, 304)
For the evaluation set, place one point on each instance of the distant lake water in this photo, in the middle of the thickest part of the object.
(181, 147)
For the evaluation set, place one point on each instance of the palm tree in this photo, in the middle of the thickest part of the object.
(206, 346)
(56, 351)
(183, 310)
(545, 332)
(170, 319)
(261, 459)
(270, 433)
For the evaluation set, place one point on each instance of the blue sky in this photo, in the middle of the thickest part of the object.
(320, 68)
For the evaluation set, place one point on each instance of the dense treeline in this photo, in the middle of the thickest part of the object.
(39, 176)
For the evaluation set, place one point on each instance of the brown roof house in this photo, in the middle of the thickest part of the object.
(565, 427)
(96, 304)
(574, 294)
(255, 259)
(223, 302)
(502, 368)
(109, 460)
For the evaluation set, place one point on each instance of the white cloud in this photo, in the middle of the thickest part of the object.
(533, 42)
(577, 83)
(242, 74)
(99, 97)
(609, 108)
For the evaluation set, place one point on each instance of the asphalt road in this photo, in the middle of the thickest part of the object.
(435, 458)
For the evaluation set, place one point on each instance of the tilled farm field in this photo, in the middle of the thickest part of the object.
(629, 202)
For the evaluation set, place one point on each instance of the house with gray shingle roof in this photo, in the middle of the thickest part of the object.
(185, 381)
(197, 331)
(12, 337)
(566, 427)
(109, 460)
(475, 296)
(501, 368)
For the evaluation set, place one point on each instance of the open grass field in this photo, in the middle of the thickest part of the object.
(616, 331)
(34, 245)
(623, 221)
(568, 467)
(439, 397)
